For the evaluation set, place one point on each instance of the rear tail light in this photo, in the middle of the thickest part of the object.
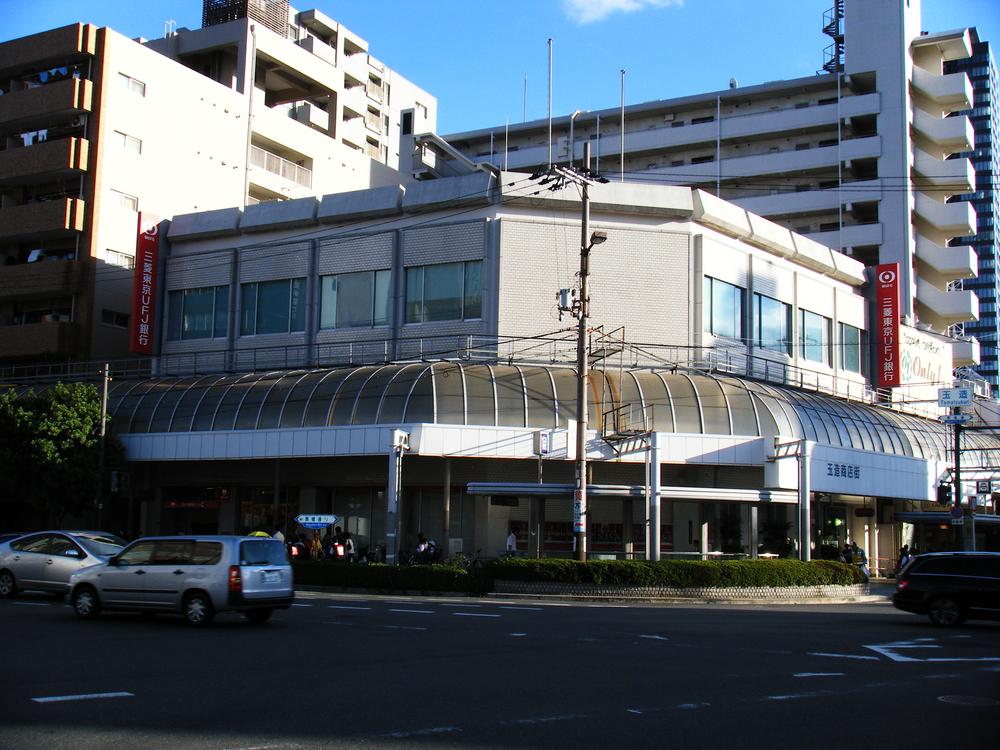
(900, 585)
(235, 580)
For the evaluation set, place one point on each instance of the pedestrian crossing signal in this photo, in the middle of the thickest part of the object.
(944, 494)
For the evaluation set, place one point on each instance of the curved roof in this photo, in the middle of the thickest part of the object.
(518, 396)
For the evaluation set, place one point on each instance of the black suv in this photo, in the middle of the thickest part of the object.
(950, 587)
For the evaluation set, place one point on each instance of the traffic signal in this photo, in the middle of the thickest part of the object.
(944, 494)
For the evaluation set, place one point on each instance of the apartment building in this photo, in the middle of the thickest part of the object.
(860, 157)
(981, 68)
(96, 128)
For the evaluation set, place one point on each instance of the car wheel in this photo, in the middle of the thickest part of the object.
(85, 603)
(946, 612)
(258, 616)
(198, 609)
(8, 587)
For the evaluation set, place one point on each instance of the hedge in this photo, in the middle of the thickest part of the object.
(678, 573)
(386, 577)
(661, 574)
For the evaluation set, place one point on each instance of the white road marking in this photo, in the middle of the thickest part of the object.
(526, 609)
(302, 605)
(655, 637)
(33, 604)
(693, 705)
(343, 606)
(545, 719)
(969, 658)
(422, 732)
(265, 747)
(327, 622)
(473, 606)
(794, 696)
(83, 697)
(818, 674)
(633, 711)
(402, 627)
(414, 611)
(518, 635)
(473, 614)
(889, 650)
(843, 656)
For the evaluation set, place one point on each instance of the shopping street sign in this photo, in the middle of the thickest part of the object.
(316, 521)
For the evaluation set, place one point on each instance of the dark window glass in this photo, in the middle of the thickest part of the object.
(262, 552)
(60, 545)
(140, 553)
(37, 543)
(172, 552)
(206, 553)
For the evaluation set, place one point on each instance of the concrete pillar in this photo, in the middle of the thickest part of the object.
(627, 527)
(753, 540)
(481, 535)
(703, 541)
(805, 519)
(446, 509)
(653, 548)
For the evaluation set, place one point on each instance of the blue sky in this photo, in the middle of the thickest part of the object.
(473, 55)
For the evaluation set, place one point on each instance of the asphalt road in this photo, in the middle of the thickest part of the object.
(381, 672)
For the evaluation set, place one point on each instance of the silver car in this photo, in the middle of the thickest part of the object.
(45, 560)
(195, 576)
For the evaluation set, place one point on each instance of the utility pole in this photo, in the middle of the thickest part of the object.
(581, 309)
(102, 432)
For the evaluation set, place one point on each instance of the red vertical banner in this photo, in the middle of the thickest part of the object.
(887, 324)
(147, 249)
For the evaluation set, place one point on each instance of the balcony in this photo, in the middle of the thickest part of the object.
(321, 49)
(951, 91)
(309, 114)
(951, 219)
(965, 353)
(45, 220)
(38, 341)
(947, 262)
(39, 107)
(354, 99)
(952, 134)
(44, 161)
(41, 280)
(276, 165)
(942, 309)
(950, 176)
(49, 48)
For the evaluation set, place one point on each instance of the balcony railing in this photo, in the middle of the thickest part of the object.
(275, 164)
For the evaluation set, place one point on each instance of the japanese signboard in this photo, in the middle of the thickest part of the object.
(886, 327)
(143, 321)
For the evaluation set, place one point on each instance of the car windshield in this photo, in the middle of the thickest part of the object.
(98, 547)
(262, 552)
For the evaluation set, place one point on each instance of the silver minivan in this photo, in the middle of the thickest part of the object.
(196, 576)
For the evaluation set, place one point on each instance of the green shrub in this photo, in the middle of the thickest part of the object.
(386, 577)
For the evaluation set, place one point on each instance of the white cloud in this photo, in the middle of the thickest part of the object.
(589, 11)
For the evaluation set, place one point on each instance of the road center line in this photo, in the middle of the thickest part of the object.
(818, 674)
(301, 605)
(343, 606)
(517, 635)
(402, 627)
(414, 611)
(843, 656)
(32, 604)
(655, 637)
(471, 606)
(83, 697)
(526, 609)
(472, 614)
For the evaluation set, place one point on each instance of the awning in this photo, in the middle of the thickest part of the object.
(711, 494)
(941, 517)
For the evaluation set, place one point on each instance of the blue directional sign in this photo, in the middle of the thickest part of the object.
(317, 521)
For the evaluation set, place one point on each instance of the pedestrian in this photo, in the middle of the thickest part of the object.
(421, 547)
(859, 557)
(349, 549)
(511, 542)
(846, 555)
(904, 557)
(316, 547)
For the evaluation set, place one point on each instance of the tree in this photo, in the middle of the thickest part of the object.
(50, 450)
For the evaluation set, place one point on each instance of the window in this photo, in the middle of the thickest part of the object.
(128, 142)
(140, 553)
(115, 258)
(814, 337)
(772, 324)
(132, 84)
(201, 313)
(446, 291)
(407, 125)
(125, 200)
(723, 308)
(355, 300)
(850, 348)
(273, 307)
(114, 318)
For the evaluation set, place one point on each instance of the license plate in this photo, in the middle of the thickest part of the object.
(271, 576)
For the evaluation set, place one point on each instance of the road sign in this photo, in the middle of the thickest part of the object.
(954, 397)
(316, 521)
(955, 418)
(956, 512)
(984, 487)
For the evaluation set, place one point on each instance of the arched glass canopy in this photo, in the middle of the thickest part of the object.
(522, 396)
